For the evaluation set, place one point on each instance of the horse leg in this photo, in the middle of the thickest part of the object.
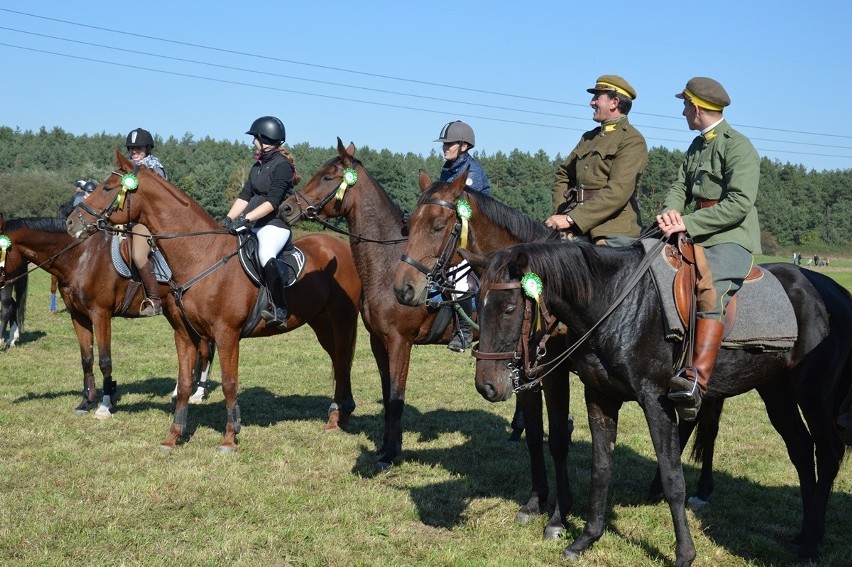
(103, 336)
(393, 359)
(187, 354)
(229, 357)
(603, 424)
(529, 403)
(785, 418)
(337, 337)
(704, 449)
(667, 445)
(201, 374)
(83, 330)
(557, 394)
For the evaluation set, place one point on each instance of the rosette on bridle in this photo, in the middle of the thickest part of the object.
(532, 286)
(350, 178)
(5, 244)
(129, 184)
(464, 212)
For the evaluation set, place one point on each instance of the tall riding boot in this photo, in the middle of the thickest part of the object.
(688, 386)
(275, 280)
(151, 304)
(463, 336)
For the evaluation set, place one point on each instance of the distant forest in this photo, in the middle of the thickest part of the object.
(798, 208)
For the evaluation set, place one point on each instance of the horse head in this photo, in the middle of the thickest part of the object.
(325, 194)
(437, 228)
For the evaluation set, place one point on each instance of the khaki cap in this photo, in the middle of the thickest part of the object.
(706, 93)
(613, 83)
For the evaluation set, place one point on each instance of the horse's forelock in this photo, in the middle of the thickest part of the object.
(565, 268)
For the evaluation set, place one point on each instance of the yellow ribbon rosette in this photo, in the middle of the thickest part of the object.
(350, 178)
(464, 211)
(129, 184)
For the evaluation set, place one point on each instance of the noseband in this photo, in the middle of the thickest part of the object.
(129, 184)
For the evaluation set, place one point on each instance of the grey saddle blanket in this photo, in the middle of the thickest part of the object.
(161, 268)
(765, 317)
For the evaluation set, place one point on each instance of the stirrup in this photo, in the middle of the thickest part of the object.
(149, 308)
(687, 399)
(274, 318)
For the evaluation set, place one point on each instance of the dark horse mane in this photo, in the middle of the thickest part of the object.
(578, 269)
(362, 171)
(521, 226)
(41, 224)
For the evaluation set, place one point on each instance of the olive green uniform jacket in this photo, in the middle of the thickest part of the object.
(725, 169)
(611, 162)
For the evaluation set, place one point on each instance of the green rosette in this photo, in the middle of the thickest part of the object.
(129, 182)
(5, 242)
(350, 176)
(532, 286)
(464, 211)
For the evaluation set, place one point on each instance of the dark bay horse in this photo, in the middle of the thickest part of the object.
(93, 292)
(215, 299)
(378, 238)
(13, 297)
(625, 357)
(434, 236)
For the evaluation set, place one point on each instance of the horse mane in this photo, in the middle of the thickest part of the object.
(362, 171)
(515, 222)
(41, 224)
(577, 269)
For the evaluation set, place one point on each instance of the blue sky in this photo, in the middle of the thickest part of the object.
(390, 74)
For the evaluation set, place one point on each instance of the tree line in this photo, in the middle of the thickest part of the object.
(797, 207)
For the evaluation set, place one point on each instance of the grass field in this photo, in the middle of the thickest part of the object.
(78, 491)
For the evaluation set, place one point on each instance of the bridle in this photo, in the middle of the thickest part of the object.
(438, 277)
(522, 359)
(532, 366)
(311, 211)
(129, 183)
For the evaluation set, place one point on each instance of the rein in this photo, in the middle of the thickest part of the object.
(311, 212)
(539, 371)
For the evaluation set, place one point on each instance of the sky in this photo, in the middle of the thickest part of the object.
(390, 74)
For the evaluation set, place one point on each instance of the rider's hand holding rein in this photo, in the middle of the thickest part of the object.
(670, 222)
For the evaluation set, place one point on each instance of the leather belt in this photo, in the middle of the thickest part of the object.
(704, 203)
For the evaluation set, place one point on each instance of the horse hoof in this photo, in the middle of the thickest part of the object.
(553, 532)
(383, 467)
(696, 503)
(166, 448)
(569, 555)
(103, 412)
(523, 518)
(226, 448)
(196, 399)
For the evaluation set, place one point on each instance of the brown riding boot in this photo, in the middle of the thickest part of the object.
(685, 388)
(151, 304)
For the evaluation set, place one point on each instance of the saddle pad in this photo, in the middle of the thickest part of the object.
(765, 317)
(122, 266)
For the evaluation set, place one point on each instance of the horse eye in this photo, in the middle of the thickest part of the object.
(439, 226)
(327, 178)
(510, 308)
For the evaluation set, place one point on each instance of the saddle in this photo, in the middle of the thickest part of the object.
(681, 257)
(290, 257)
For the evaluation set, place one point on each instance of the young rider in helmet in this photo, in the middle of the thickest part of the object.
(270, 180)
(139, 144)
(458, 139)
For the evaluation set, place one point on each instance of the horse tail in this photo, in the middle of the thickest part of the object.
(707, 427)
(21, 287)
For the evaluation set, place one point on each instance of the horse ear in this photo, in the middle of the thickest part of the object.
(345, 152)
(121, 161)
(424, 181)
(522, 262)
(459, 184)
(476, 261)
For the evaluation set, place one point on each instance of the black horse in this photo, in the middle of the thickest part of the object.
(623, 355)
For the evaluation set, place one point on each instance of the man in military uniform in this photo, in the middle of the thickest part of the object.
(595, 190)
(720, 175)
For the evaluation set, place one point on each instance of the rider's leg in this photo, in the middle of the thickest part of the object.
(141, 252)
(271, 240)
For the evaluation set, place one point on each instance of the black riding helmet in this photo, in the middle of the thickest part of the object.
(140, 137)
(89, 186)
(268, 129)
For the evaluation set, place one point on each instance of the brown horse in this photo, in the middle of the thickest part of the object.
(93, 292)
(377, 239)
(216, 300)
(434, 236)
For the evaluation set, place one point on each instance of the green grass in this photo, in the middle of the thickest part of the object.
(78, 491)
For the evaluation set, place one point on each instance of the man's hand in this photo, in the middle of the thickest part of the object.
(670, 222)
(559, 222)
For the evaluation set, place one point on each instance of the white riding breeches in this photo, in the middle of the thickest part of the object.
(270, 241)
